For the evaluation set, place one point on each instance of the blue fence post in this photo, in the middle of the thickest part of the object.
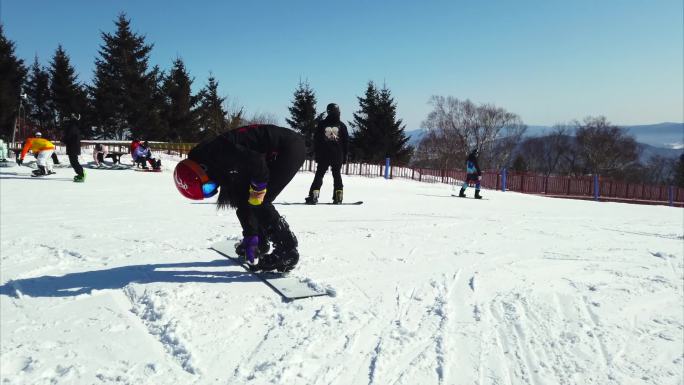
(503, 180)
(596, 187)
(670, 195)
(387, 167)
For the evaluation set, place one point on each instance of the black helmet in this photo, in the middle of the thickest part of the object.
(332, 107)
(333, 110)
(475, 152)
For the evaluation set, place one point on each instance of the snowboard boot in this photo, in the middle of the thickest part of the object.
(263, 249)
(39, 172)
(462, 193)
(157, 164)
(312, 199)
(337, 197)
(284, 256)
(477, 194)
(79, 178)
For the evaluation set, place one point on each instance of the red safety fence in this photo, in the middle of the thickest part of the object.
(578, 187)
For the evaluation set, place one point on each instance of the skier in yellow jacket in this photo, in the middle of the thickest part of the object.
(42, 149)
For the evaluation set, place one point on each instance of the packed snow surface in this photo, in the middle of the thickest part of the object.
(111, 282)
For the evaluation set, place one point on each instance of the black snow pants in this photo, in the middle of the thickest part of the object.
(73, 160)
(321, 169)
(281, 171)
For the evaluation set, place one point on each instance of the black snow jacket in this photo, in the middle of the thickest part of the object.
(247, 155)
(72, 138)
(331, 141)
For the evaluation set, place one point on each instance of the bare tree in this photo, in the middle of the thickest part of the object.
(263, 118)
(605, 148)
(437, 151)
(660, 170)
(546, 154)
(457, 126)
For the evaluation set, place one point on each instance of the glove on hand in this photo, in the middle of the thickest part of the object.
(479, 177)
(251, 245)
(257, 192)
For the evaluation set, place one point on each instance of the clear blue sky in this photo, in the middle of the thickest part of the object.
(548, 60)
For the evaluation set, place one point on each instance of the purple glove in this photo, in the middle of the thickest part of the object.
(251, 245)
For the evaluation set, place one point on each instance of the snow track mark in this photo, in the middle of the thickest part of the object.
(151, 308)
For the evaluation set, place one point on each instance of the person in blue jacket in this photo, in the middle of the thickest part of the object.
(473, 174)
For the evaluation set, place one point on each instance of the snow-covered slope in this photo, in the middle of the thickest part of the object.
(111, 282)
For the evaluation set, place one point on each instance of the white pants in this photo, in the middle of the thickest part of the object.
(3, 150)
(44, 159)
(96, 153)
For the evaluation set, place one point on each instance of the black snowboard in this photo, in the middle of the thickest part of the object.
(480, 199)
(321, 203)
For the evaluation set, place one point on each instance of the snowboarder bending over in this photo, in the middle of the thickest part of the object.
(330, 145)
(42, 149)
(473, 174)
(72, 140)
(249, 166)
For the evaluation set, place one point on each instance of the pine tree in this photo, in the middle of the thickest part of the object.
(519, 164)
(125, 92)
(392, 130)
(363, 140)
(12, 74)
(37, 88)
(66, 95)
(303, 113)
(179, 110)
(210, 112)
(679, 172)
(378, 132)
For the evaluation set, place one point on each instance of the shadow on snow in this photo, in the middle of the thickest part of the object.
(74, 284)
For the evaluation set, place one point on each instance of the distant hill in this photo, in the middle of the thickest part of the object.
(415, 136)
(664, 139)
(666, 135)
(663, 135)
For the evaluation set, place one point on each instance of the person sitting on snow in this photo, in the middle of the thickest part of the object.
(99, 153)
(142, 154)
(3, 151)
(42, 149)
(473, 174)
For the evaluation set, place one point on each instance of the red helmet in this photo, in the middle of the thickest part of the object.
(192, 181)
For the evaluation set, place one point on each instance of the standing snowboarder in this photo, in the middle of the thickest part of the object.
(331, 141)
(249, 166)
(42, 149)
(473, 174)
(72, 140)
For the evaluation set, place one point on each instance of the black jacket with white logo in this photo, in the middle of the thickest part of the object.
(331, 141)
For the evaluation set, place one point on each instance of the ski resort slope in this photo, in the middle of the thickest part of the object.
(111, 282)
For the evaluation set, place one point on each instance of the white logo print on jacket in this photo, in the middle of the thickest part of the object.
(332, 134)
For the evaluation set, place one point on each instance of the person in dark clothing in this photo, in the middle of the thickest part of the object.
(473, 174)
(72, 141)
(331, 141)
(249, 166)
(55, 159)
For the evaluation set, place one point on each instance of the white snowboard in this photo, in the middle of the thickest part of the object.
(290, 288)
